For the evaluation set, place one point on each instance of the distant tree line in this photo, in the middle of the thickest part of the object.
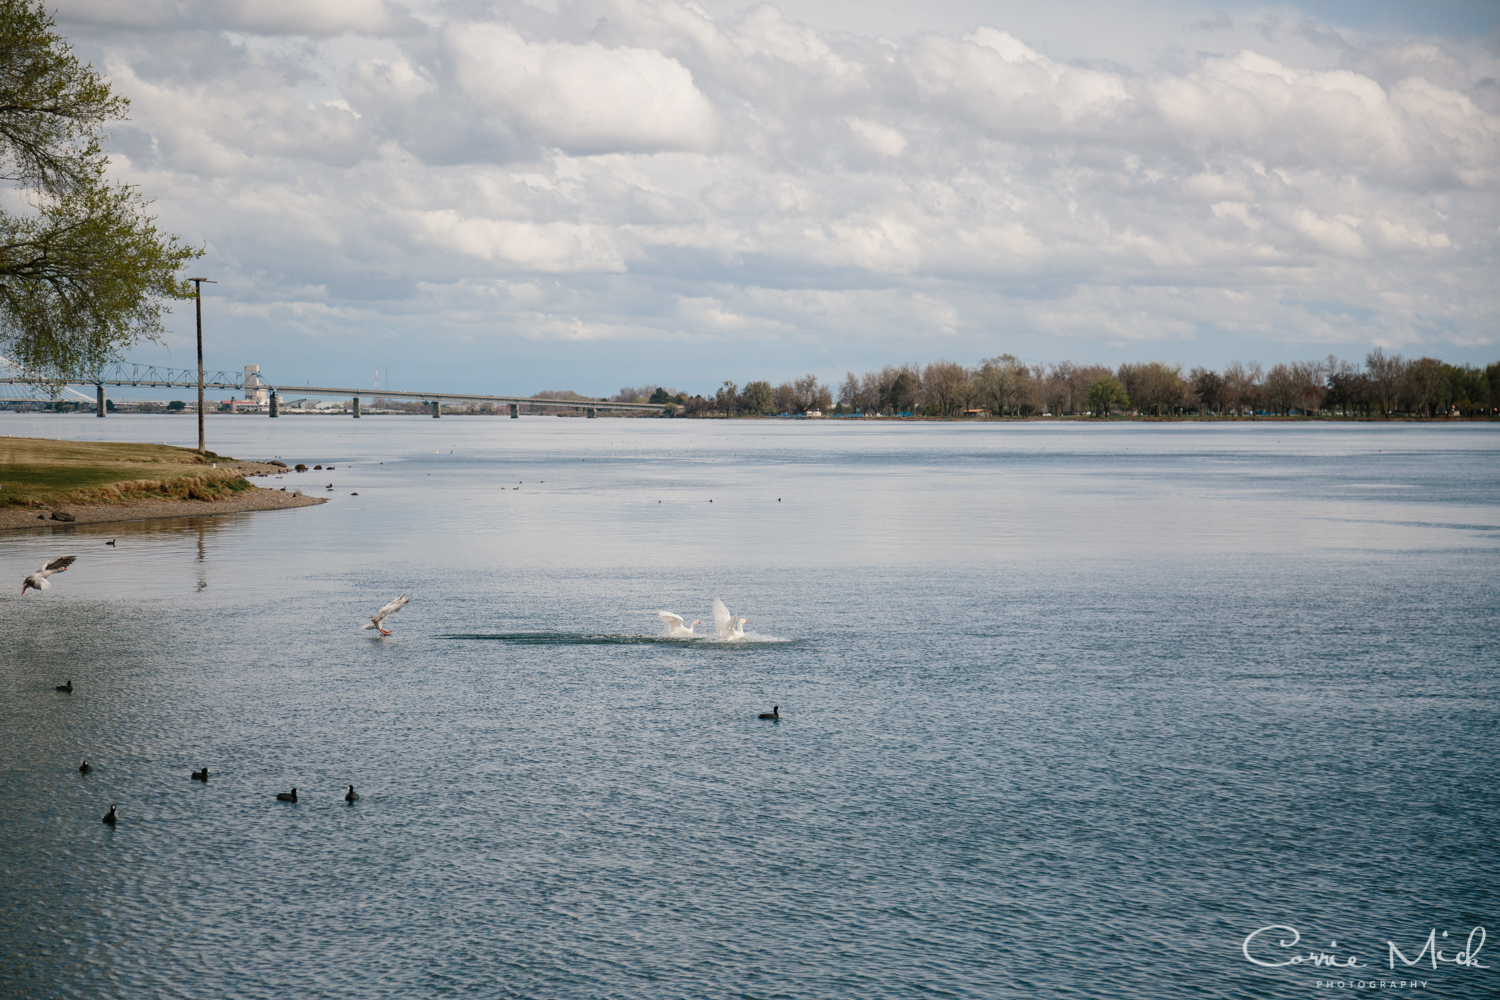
(1386, 385)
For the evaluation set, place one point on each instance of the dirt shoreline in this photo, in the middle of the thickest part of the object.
(255, 498)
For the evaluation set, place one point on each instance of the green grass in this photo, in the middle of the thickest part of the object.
(37, 472)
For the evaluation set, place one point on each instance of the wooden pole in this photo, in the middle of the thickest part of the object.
(198, 300)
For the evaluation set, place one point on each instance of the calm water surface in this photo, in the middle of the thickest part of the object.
(1067, 711)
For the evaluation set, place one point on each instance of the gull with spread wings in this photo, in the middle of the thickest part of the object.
(38, 580)
(675, 625)
(728, 626)
(381, 615)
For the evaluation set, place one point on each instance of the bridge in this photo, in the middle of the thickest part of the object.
(251, 381)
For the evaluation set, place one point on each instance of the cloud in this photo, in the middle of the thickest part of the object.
(638, 171)
(995, 81)
(323, 19)
(580, 98)
(880, 138)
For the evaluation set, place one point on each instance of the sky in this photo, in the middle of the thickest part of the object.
(505, 197)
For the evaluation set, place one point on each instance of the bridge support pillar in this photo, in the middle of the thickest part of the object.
(103, 408)
(437, 408)
(356, 407)
(592, 413)
(515, 411)
(275, 404)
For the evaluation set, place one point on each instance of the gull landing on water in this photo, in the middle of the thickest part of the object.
(38, 580)
(727, 625)
(381, 615)
(675, 625)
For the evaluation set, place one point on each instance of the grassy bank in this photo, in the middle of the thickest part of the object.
(39, 472)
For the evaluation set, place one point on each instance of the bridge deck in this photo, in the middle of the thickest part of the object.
(316, 390)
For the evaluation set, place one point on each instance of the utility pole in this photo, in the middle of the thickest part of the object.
(198, 298)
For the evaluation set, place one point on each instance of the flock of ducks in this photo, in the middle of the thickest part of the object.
(113, 816)
(351, 796)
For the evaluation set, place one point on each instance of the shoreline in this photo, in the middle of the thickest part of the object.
(253, 499)
(142, 499)
(23, 518)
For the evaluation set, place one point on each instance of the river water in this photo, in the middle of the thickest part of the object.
(1067, 710)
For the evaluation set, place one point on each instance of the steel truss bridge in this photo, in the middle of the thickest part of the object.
(128, 374)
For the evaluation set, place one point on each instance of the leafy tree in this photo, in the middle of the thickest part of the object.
(1468, 389)
(175, 406)
(1242, 388)
(84, 273)
(1281, 389)
(849, 393)
(904, 390)
(1344, 384)
(758, 397)
(660, 396)
(807, 393)
(1208, 387)
(1106, 394)
(1002, 383)
(1073, 382)
(949, 386)
(1154, 386)
(1427, 386)
(727, 399)
(1387, 373)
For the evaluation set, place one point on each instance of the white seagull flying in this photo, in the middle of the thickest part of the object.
(727, 625)
(675, 625)
(38, 580)
(381, 615)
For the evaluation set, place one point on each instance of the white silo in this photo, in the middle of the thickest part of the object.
(252, 385)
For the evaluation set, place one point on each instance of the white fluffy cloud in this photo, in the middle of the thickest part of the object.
(637, 172)
(586, 98)
(320, 19)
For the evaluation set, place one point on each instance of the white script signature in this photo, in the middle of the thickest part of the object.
(1432, 951)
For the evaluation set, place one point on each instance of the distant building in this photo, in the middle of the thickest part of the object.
(242, 406)
(253, 390)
